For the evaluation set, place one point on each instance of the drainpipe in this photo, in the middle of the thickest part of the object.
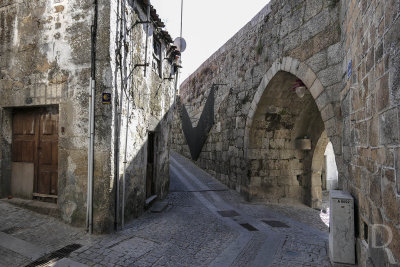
(177, 71)
(125, 162)
(89, 201)
(117, 144)
(147, 37)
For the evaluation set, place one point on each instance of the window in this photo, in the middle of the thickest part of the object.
(156, 63)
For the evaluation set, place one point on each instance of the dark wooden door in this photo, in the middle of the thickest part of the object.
(24, 137)
(35, 139)
(150, 165)
(48, 153)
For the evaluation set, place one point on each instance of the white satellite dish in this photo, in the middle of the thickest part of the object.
(180, 44)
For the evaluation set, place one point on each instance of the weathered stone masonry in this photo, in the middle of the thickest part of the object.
(45, 61)
(258, 120)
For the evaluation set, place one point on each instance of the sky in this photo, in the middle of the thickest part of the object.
(207, 25)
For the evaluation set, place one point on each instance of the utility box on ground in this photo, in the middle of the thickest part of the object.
(341, 228)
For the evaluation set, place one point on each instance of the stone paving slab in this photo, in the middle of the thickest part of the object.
(10, 258)
(188, 232)
(310, 238)
(68, 263)
(21, 247)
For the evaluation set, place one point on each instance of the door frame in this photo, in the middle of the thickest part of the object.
(153, 188)
(38, 111)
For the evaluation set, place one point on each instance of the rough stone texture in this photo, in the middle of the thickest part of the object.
(150, 100)
(370, 42)
(258, 118)
(315, 41)
(45, 60)
(51, 67)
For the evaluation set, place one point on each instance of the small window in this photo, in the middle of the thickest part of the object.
(156, 63)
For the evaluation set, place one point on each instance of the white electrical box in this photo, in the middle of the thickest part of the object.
(341, 228)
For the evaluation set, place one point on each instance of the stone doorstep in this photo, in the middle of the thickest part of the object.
(46, 208)
(150, 200)
(159, 206)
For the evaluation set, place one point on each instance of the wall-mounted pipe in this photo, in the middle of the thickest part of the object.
(92, 95)
(123, 53)
(147, 38)
(91, 156)
(125, 162)
(90, 169)
(177, 71)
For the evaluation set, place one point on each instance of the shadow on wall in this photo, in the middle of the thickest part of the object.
(147, 172)
(197, 136)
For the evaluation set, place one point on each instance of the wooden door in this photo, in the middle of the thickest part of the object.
(150, 165)
(48, 153)
(35, 139)
(24, 137)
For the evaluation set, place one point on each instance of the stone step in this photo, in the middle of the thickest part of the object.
(41, 207)
(159, 206)
(150, 200)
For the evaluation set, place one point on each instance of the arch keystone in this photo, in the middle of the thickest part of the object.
(287, 63)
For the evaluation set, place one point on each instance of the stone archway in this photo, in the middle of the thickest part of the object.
(317, 168)
(286, 177)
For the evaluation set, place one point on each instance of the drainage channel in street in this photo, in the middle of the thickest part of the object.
(54, 256)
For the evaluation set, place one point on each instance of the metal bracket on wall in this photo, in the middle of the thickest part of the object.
(140, 22)
(134, 67)
(145, 65)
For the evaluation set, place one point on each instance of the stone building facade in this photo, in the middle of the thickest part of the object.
(268, 143)
(46, 69)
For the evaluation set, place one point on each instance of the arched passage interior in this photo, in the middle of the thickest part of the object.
(287, 143)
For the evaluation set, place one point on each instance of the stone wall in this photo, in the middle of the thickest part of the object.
(45, 57)
(45, 60)
(274, 41)
(370, 108)
(150, 98)
(252, 145)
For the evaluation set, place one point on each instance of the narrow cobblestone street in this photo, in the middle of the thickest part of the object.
(204, 224)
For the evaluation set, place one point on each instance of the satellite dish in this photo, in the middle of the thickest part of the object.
(180, 44)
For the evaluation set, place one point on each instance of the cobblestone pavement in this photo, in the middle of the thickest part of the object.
(204, 224)
(315, 218)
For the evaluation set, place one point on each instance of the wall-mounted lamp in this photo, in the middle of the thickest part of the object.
(301, 91)
(300, 88)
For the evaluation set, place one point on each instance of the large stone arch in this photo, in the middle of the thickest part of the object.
(325, 106)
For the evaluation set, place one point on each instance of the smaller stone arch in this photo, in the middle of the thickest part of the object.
(316, 170)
